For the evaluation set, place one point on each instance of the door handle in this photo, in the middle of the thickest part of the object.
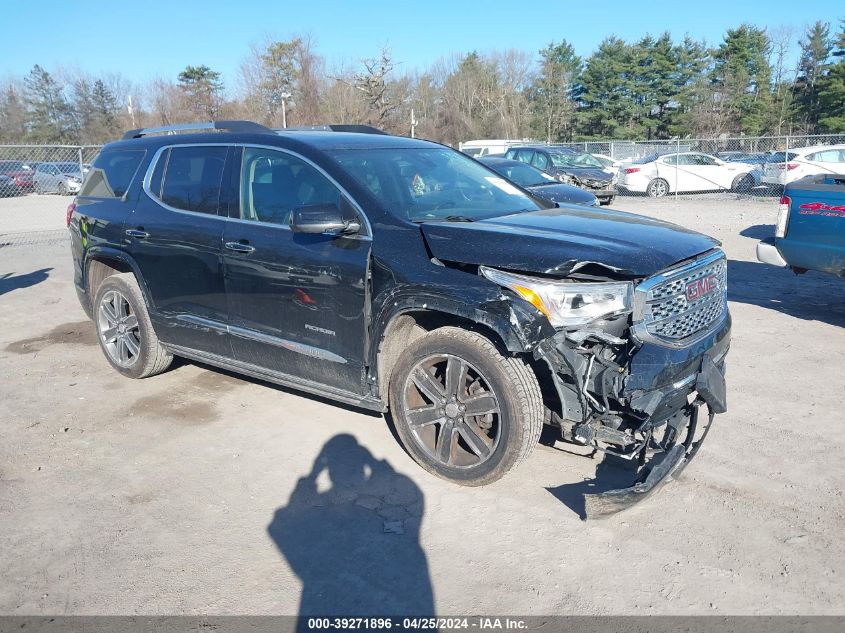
(239, 247)
(137, 233)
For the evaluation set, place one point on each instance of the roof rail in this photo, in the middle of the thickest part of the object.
(245, 127)
(336, 127)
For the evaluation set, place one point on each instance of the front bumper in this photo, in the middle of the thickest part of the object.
(768, 253)
(644, 408)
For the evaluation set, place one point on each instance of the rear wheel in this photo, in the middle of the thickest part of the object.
(124, 330)
(464, 411)
(657, 188)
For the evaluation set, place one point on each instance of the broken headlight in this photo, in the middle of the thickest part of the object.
(567, 304)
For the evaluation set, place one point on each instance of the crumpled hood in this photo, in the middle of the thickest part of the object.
(558, 192)
(559, 241)
(588, 173)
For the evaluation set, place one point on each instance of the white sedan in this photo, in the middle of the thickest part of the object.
(783, 168)
(659, 175)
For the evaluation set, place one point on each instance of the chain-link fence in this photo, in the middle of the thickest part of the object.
(44, 169)
(747, 165)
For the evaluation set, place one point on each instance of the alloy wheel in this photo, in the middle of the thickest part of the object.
(452, 412)
(118, 329)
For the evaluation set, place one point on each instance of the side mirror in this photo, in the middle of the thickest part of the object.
(322, 218)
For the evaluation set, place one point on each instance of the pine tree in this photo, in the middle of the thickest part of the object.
(815, 52)
(832, 90)
(49, 115)
(201, 87)
(554, 91)
(12, 116)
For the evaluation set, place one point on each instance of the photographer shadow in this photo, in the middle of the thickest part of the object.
(355, 544)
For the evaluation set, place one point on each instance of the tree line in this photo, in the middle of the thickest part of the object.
(653, 88)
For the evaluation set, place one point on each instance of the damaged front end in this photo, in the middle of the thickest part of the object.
(633, 385)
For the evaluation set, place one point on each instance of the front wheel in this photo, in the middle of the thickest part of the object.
(657, 188)
(462, 410)
(743, 183)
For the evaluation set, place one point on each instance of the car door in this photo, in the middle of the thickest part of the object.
(175, 235)
(297, 302)
(671, 169)
(828, 161)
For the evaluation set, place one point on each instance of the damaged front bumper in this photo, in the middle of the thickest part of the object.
(638, 404)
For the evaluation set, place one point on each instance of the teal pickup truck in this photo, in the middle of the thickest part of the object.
(810, 232)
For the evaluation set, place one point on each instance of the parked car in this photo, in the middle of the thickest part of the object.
(661, 174)
(63, 178)
(395, 273)
(785, 167)
(609, 164)
(810, 230)
(492, 147)
(539, 183)
(20, 172)
(569, 167)
(8, 187)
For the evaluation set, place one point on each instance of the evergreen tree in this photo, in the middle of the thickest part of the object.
(607, 111)
(554, 91)
(201, 87)
(49, 115)
(12, 116)
(832, 90)
(815, 51)
(741, 77)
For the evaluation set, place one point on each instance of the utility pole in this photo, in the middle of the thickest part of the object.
(285, 96)
(413, 124)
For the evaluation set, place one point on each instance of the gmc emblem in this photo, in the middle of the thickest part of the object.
(700, 287)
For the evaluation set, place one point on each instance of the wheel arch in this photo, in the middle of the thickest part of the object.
(512, 328)
(103, 262)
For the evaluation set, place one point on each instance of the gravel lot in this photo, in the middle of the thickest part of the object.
(197, 492)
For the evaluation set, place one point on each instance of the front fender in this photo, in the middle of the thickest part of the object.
(518, 324)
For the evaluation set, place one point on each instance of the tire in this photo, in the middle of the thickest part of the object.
(657, 188)
(504, 390)
(742, 183)
(62, 191)
(133, 349)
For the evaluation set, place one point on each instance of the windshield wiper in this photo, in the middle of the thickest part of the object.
(457, 218)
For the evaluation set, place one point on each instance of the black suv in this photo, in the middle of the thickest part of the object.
(400, 275)
(569, 167)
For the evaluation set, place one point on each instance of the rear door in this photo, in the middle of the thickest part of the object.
(297, 302)
(828, 161)
(175, 236)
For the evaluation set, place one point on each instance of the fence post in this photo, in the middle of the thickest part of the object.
(611, 151)
(79, 154)
(677, 158)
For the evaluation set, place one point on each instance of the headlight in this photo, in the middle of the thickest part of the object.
(567, 304)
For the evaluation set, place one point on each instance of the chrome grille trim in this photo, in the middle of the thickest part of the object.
(662, 312)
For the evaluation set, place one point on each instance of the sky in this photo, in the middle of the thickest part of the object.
(149, 39)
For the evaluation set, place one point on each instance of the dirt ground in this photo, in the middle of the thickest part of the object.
(199, 492)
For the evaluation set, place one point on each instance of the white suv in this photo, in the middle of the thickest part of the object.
(783, 168)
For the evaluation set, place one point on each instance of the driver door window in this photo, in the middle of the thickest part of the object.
(274, 183)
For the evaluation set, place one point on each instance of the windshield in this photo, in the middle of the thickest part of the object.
(780, 157)
(68, 168)
(424, 184)
(574, 160)
(13, 165)
(523, 175)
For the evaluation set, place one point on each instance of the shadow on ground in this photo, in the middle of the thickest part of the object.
(813, 296)
(610, 475)
(350, 532)
(758, 231)
(11, 281)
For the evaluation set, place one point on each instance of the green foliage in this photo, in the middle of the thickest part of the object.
(554, 91)
(201, 87)
(50, 118)
(831, 92)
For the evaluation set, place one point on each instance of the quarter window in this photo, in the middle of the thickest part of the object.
(540, 161)
(274, 183)
(112, 173)
(192, 178)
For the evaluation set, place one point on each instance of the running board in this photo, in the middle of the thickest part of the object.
(279, 378)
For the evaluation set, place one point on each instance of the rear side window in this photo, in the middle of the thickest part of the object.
(827, 156)
(191, 178)
(112, 173)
